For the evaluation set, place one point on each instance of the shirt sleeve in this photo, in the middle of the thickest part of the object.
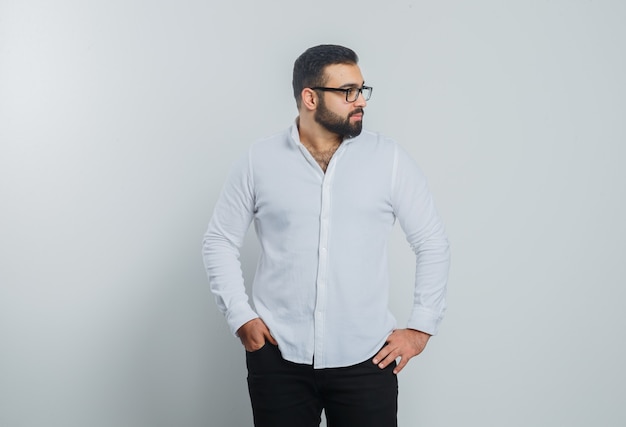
(231, 219)
(415, 210)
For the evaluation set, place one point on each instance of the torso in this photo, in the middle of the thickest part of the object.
(322, 158)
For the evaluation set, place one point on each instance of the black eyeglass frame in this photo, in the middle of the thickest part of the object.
(347, 91)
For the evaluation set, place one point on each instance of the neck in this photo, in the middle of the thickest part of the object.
(318, 141)
(316, 137)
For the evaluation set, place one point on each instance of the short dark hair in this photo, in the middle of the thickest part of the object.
(308, 70)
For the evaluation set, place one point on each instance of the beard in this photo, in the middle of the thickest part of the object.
(336, 124)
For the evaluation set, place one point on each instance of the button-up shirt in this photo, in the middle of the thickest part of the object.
(322, 283)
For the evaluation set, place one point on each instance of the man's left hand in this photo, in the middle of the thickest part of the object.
(402, 343)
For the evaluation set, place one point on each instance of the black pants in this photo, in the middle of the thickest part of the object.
(286, 394)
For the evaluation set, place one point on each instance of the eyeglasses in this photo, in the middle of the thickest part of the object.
(352, 93)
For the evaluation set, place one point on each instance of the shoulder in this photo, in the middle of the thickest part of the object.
(272, 145)
(385, 147)
(374, 137)
(375, 143)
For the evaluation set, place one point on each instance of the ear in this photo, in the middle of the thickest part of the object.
(309, 99)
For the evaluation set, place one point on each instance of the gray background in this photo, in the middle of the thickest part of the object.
(119, 120)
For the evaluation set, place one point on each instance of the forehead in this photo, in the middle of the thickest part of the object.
(338, 75)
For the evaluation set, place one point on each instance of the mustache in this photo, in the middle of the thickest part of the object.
(357, 111)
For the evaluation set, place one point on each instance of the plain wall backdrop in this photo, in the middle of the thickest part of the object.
(120, 119)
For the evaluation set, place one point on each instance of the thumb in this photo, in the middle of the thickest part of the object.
(270, 338)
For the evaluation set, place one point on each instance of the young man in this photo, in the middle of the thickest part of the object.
(324, 195)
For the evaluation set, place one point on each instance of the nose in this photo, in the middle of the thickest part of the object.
(360, 100)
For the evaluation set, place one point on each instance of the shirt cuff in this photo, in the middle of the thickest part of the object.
(237, 316)
(425, 321)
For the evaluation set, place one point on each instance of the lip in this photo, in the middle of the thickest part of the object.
(358, 116)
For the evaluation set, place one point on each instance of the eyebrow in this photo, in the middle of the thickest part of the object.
(349, 85)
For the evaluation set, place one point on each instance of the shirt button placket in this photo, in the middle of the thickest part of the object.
(322, 273)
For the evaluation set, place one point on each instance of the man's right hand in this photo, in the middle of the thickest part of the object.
(254, 334)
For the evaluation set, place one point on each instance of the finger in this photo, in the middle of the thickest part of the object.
(267, 335)
(253, 339)
(401, 365)
(270, 338)
(381, 355)
(389, 358)
(253, 346)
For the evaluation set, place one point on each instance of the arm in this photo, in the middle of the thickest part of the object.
(424, 230)
(230, 221)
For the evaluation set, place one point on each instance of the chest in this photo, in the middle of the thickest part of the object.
(355, 185)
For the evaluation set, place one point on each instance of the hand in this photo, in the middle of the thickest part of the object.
(254, 334)
(403, 343)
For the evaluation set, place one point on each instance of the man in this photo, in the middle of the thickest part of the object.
(324, 196)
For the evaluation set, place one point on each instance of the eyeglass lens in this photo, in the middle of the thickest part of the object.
(353, 93)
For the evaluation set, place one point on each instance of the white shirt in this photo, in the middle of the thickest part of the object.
(321, 283)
